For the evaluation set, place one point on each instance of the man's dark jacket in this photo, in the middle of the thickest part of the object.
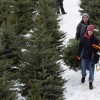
(81, 29)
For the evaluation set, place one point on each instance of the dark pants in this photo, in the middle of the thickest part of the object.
(60, 2)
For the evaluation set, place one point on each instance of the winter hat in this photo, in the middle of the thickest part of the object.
(90, 28)
(85, 14)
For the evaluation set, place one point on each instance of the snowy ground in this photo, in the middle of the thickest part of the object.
(71, 19)
(74, 89)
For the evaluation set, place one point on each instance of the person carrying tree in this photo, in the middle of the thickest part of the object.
(81, 27)
(60, 5)
(87, 54)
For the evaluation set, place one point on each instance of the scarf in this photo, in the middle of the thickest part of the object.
(88, 36)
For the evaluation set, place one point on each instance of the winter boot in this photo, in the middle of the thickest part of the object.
(90, 86)
(83, 80)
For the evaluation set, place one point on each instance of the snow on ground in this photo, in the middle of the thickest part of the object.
(71, 19)
(75, 90)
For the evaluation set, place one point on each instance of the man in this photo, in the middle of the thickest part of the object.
(87, 54)
(81, 27)
(60, 3)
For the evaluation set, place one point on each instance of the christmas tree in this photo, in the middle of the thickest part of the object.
(41, 71)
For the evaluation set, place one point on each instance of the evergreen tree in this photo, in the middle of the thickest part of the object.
(23, 23)
(41, 69)
(5, 52)
(70, 52)
(15, 23)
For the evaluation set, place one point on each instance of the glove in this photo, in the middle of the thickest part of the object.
(77, 57)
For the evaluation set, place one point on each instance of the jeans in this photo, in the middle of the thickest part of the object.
(88, 64)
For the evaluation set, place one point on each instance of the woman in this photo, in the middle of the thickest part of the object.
(87, 53)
